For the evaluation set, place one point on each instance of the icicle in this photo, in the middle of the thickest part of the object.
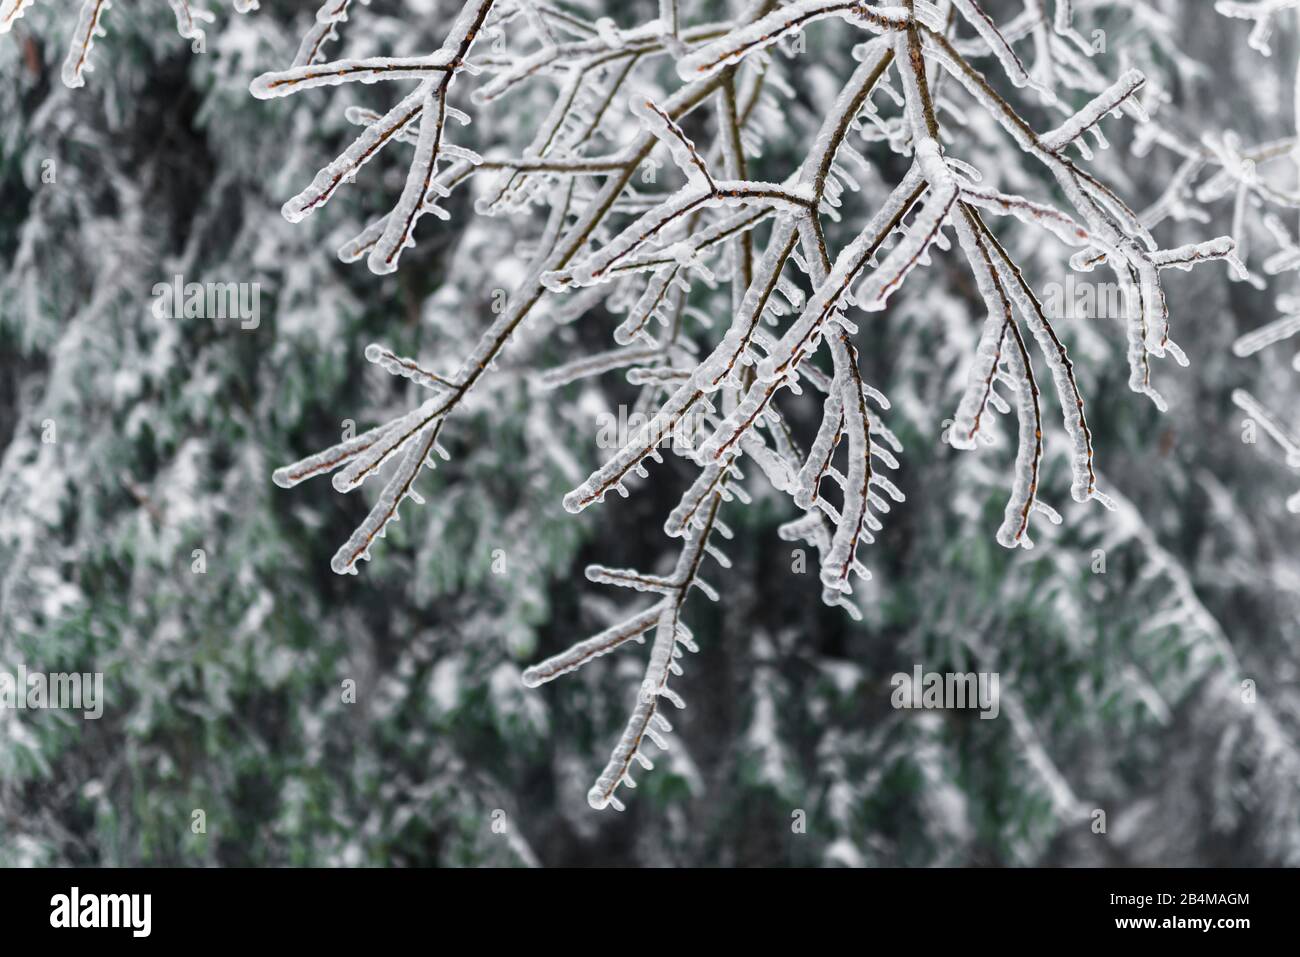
(1261, 12)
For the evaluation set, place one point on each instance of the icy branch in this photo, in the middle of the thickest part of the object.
(733, 295)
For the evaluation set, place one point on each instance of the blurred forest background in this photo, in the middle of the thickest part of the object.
(148, 542)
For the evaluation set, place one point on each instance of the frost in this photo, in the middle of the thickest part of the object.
(782, 304)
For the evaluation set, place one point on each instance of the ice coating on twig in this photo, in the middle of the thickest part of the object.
(89, 26)
(406, 368)
(338, 72)
(11, 11)
(1106, 102)
(732, 296)
(334, 457)
(788, 19)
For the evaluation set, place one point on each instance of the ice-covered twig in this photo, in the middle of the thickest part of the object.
(1261, 12)
(1106, 102)
(427, 105)
(791, 18)
(759, 256)
(670, 636)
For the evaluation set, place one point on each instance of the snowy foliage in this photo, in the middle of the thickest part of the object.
(90, 26)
